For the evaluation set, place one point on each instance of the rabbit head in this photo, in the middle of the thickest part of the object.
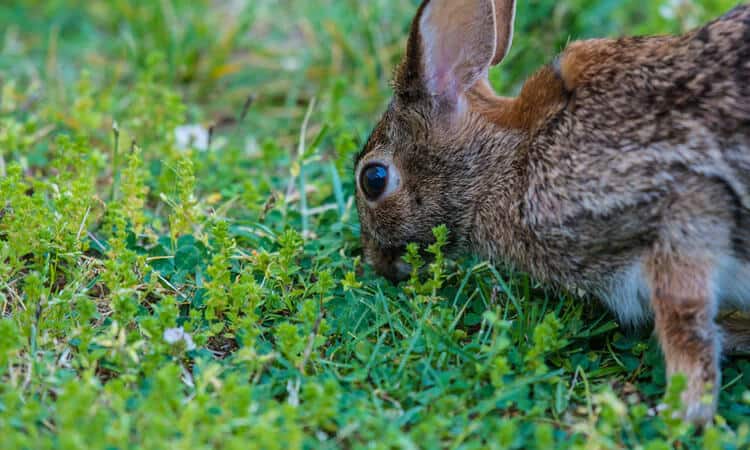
(425, 162)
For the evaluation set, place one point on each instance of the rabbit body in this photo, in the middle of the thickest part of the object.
(622, 169)
(651, 146)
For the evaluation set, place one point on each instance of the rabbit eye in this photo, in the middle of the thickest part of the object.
(374, 180)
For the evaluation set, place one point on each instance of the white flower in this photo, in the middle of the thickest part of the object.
(290, 64)
(175, 335)
(191, 136)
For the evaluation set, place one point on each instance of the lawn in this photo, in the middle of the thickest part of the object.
(180, 263)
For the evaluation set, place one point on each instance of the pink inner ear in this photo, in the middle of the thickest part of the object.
(458, 39)
(438, 56)
(443, 81)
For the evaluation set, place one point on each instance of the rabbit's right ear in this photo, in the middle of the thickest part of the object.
(452, 45)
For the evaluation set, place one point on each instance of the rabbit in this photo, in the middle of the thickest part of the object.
(622, 169)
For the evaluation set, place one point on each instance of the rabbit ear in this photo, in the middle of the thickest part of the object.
(505, 15)
(452, 45)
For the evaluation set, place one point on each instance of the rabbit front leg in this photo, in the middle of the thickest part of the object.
(684, 314)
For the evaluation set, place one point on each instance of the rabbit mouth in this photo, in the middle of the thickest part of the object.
(402, 270)
(389, 264)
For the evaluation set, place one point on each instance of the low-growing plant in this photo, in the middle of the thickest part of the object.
(157, 294)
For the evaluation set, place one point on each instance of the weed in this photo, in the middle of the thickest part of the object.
(157, 293)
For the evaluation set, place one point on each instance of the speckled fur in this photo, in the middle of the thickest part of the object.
(622, 169)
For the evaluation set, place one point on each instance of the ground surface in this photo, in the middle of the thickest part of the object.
(158, 294)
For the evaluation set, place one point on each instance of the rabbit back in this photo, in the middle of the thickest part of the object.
(654, 137)
(641, 109)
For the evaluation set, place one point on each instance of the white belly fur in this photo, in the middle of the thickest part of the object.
(628, 294)
(732, 284)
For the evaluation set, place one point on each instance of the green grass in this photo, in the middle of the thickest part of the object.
(112, 236)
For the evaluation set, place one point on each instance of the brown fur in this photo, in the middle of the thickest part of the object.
(737, 339)
(684, 321)
(622, 169)
(542, 96)
(582, 62)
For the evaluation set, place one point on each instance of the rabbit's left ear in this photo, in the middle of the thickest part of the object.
(505, 15)
(453, 43)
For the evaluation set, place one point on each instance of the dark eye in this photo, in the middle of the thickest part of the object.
(373, 180)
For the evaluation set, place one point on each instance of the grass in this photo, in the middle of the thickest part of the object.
(158, 295)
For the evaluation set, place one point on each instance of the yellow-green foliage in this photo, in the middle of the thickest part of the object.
(156, 294)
